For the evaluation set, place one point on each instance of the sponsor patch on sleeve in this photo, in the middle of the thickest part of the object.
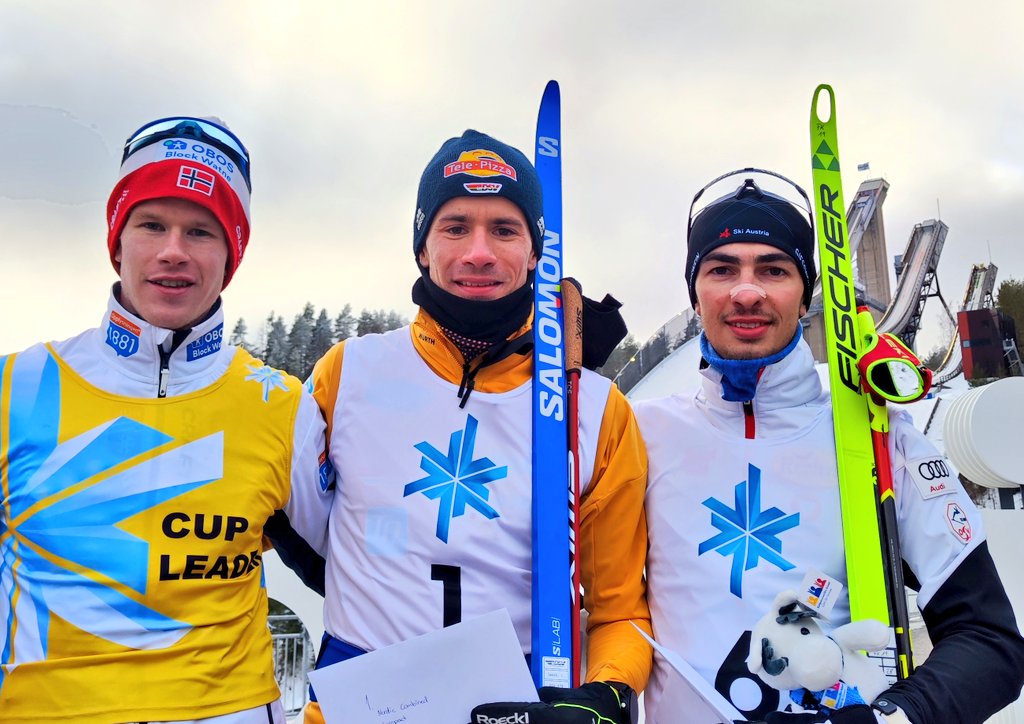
(959, 523)
(327, 476)
(933, 476)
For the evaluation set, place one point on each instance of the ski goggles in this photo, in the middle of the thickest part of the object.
(196, 128)
(890, 370)
(803, 194)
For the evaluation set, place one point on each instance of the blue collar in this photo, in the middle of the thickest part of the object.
(739, 376)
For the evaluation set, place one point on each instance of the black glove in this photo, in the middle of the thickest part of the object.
(855, 714)
(594, 702)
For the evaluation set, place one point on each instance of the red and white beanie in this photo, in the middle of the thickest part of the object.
(189, 169)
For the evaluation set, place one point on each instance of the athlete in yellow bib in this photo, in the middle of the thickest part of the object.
(140, 462)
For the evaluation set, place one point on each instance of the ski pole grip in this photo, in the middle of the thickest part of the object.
(572, 316)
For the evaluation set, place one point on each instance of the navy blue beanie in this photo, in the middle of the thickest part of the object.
(476, 165)
(752, 215)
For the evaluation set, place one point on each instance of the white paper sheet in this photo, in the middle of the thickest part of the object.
(695, 700)
(437, 677)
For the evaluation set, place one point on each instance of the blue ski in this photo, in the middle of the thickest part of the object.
(551, 659)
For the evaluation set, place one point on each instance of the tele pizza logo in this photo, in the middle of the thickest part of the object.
(480, 162)
(192, 178)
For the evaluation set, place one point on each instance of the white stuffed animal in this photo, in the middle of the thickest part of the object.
(790, 651)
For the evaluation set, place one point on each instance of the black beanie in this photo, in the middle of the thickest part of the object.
(752, 215)
(474, 164)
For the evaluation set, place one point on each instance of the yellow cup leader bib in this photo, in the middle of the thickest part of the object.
(131, 542)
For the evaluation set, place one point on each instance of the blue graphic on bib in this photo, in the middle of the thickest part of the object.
(456, 480)
(123, 341)
(205, 345)
(747, 533)
(68, 501)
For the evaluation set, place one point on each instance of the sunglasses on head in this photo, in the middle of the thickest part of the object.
(199, 129)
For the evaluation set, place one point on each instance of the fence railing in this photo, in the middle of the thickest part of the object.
(293, 658)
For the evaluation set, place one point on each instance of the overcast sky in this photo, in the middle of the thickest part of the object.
(342, 107)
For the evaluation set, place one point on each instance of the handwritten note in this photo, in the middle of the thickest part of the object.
(437, 677)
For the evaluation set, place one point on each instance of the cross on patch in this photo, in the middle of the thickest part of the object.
(192, 178)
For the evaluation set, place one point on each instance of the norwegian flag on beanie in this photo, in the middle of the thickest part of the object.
(157, 171)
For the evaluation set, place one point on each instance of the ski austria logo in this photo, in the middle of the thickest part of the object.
(932, 476)
(194, 179)
(456, 480)
(480, 162)
(123, 335)
(747, 533)
(958, 522)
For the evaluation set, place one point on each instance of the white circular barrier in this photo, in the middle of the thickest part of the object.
(982, 434)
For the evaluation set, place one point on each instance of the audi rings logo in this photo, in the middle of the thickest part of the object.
(933, 469)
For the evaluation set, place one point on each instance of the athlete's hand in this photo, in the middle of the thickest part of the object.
(594, 702)
(856, 714)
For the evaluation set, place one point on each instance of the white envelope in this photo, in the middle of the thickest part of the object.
(436, 678)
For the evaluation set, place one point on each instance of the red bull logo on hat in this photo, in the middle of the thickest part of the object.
(480, 162)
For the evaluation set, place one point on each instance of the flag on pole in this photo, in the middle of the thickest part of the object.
(863, 166)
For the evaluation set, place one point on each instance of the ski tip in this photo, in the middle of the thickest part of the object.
(551, 89)
(815, 116)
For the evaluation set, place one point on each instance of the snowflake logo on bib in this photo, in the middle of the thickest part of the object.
(267, 376)
(456, 480)
(747, 533)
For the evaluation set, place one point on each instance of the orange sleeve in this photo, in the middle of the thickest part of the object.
(613, 551)
(326, 381)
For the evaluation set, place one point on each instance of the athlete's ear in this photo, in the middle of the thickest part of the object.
(803, 310)
(696, 308)
(424, 259)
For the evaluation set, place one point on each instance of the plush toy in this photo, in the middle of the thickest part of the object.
(790, 651)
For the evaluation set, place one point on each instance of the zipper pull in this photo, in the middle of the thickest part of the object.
(164, 375)
(165, 372)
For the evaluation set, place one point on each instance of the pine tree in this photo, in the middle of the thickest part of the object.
(619, 357)
(323, 336)
(300, 343)
(394, 320)
(276, 352)
(368, 323)
(344, 324)
(238, 335)
(1010, 300)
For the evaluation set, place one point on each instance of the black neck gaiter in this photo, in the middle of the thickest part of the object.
(485, 321)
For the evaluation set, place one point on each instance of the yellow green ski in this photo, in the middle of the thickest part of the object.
(869, 546)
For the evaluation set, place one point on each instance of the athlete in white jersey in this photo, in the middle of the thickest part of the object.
(140, 462)
(429, 429)
(743, 499)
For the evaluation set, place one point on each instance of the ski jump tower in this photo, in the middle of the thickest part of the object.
(866, 239)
